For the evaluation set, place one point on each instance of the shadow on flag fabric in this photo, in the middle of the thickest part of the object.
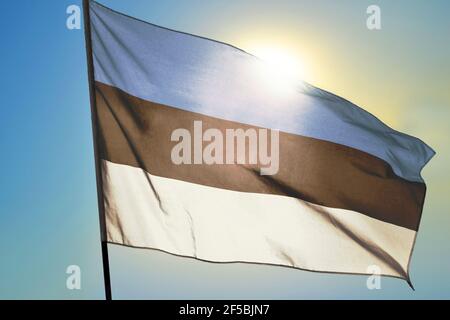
(346, 193)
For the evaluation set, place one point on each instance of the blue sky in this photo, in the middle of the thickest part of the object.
(48, 206)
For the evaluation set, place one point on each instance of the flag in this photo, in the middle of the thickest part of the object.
(206, 153)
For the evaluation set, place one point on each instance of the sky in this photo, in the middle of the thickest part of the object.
(48, 204)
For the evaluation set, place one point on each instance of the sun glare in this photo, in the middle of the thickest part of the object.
(280, 70)
(281, 63)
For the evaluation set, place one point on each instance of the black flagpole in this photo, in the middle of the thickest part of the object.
(98, 171)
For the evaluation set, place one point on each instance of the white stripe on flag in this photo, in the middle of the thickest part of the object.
(213, 224)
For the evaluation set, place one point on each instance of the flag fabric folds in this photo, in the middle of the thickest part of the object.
(346, 192)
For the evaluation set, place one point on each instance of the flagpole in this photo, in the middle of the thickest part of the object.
(98, 171)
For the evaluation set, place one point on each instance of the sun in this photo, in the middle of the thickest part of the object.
(280, 71)
(281, 62)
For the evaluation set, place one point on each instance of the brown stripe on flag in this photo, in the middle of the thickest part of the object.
(138, 133)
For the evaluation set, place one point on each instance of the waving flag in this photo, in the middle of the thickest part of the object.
(328, 187)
